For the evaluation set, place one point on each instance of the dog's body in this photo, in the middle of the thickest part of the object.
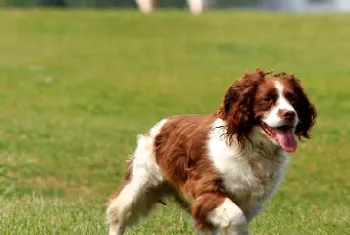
(220, 167)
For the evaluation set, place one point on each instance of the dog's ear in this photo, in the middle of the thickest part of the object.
(306, 110)
(237, 108)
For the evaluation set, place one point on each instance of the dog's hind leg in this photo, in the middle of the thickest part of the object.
(140, 190)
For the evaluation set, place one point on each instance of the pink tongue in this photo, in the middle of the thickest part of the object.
(285, 138)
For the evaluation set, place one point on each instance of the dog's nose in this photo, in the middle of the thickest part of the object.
(288, 115)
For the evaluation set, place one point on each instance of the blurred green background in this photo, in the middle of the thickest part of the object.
(108, 3)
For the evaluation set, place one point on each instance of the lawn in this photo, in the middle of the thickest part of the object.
(77, 86)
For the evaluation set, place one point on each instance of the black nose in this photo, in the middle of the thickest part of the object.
(288, 115)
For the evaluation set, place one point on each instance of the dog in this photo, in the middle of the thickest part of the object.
(221, 167)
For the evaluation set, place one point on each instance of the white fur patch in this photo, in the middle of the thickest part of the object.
(144, 167)
(156, 129)
(229, 217)
(230, 160)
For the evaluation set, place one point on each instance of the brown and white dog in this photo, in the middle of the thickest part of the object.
(220, 167)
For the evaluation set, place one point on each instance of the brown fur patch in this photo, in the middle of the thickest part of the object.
(182, 157)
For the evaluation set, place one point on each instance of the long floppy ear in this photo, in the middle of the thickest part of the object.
(237, 108)
(306, 110)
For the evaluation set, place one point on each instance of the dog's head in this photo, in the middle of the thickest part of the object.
(274, 103)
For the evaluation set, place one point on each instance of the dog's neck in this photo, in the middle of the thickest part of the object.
(258, 145)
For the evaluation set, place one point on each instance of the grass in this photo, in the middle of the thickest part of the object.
(77, 86)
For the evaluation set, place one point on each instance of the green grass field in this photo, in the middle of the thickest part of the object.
(77, 86)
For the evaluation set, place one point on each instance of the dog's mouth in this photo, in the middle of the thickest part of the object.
(283, 135)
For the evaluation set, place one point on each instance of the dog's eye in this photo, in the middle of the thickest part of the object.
(291, 96)
(267, 99)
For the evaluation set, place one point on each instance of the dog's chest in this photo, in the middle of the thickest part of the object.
(250, 182)
(249, 177)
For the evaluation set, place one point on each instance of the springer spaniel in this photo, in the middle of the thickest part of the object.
(220, 167)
